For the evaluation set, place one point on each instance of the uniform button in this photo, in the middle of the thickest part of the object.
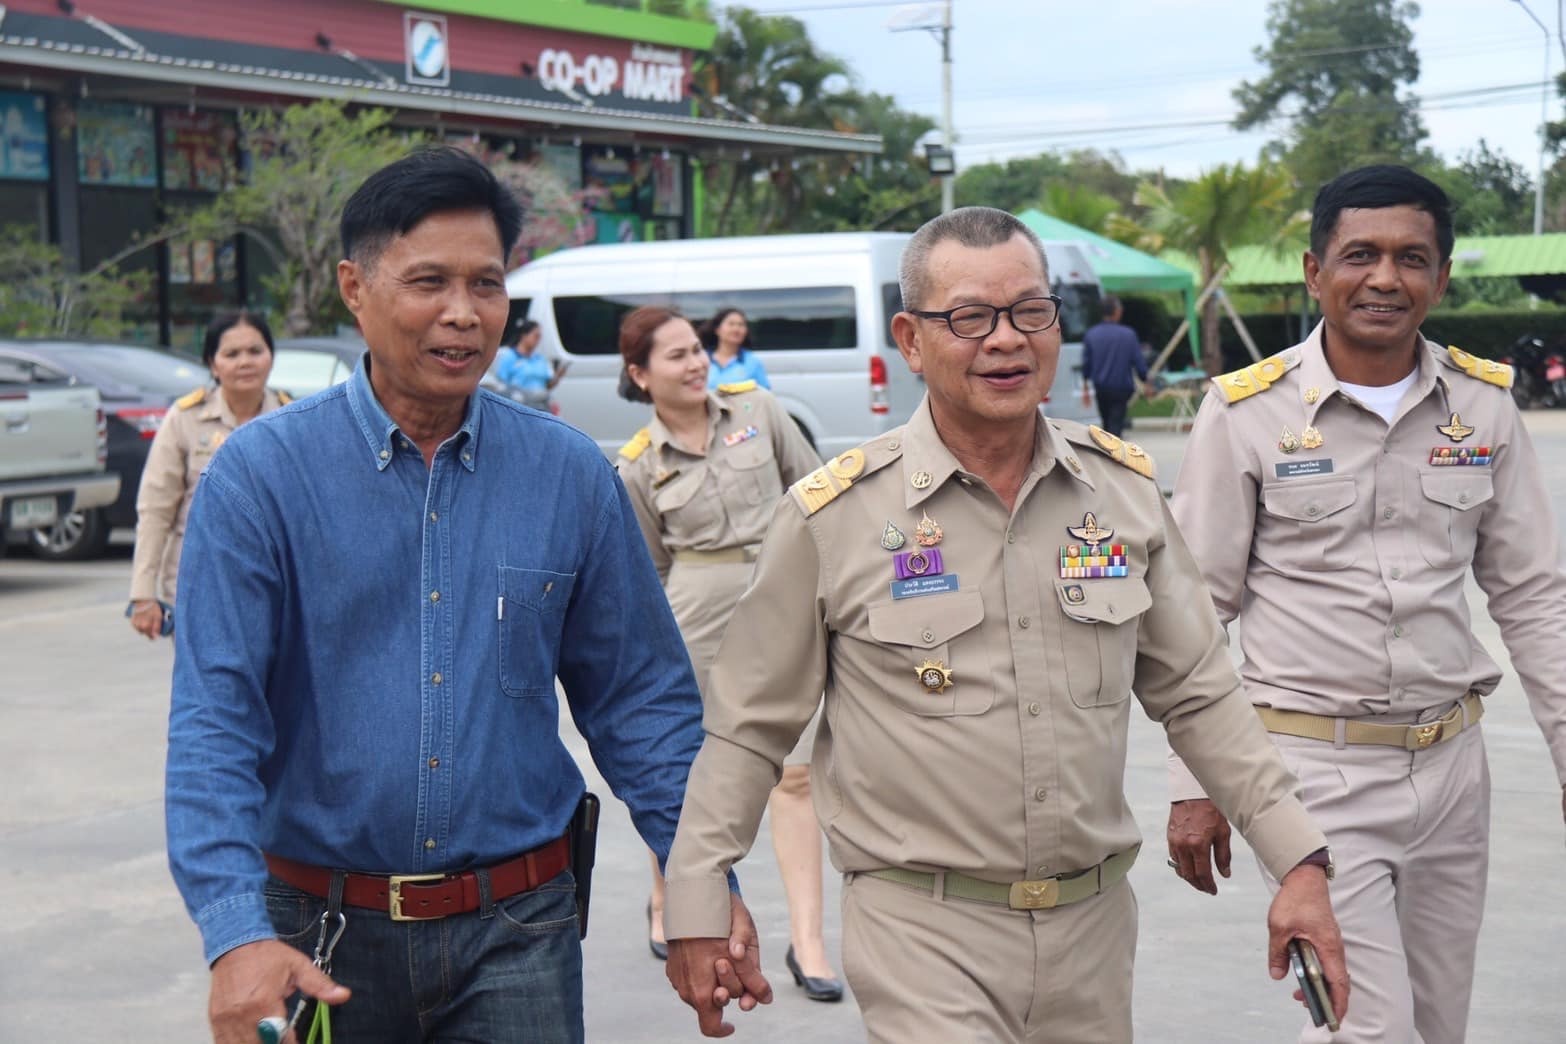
(1397, 631)
(434, 517)
(929, 636)
(1397, 574)
(429, 842)
(1313, 511)
(1043, 870)
(1011, 538)
(386, 454)
(1022, 622)
(1040, 794)
(894, 444)
(436, 678)
(1034, 709)
(1388, 512)
(1462, 498)
(434, 596)
(434, 763)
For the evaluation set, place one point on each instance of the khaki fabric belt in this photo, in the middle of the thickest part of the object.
(719, 557)
(1020, 895)
(1415, 736)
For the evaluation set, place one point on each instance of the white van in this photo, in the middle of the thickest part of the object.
(819, 308)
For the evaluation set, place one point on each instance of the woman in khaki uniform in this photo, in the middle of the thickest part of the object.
(238, 351)
(705, 477)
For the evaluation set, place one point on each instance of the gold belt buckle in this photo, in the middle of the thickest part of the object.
(1425, 735)
(394, 885)
(1034, 895)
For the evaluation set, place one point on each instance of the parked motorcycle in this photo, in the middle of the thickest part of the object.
(1538, 373)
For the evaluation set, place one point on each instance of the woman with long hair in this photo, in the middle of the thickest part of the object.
(705, 476)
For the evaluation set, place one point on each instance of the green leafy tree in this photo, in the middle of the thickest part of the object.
(40, 296)
(1011, 186)
(1334, 70)
(1491, 193)
(889, 192)
(1079, 205)
(306, 160)
(1229, 206)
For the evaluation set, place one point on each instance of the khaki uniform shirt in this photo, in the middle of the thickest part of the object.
(724, 497)
(191, 432)
(1348, 561)
(1016, 770)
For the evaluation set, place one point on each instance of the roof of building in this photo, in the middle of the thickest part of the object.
(1473, 257)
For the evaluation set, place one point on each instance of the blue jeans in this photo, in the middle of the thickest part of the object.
(508, 973)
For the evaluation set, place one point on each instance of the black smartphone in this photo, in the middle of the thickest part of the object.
(584, 852)
(1313, 983)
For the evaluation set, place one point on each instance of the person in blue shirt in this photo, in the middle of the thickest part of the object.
(363, 732)
(530, 376)
(1112, 360)
(726, 336)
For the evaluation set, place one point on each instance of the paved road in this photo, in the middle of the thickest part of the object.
(95, 941)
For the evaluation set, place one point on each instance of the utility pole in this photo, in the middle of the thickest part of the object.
(949, 182)
(1544, 119)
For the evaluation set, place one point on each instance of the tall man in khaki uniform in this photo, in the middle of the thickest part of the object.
(1336, 497)
(977, 593)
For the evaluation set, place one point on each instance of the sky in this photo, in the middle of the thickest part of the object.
(1152, 79)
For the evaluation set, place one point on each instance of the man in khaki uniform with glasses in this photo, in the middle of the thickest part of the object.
(977, 593)
(1336, 497)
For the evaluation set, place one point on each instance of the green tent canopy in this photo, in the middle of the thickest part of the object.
(1473, 257)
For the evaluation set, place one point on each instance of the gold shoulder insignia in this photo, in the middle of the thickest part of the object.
(194, 399)
(1257, 377)
(737, 388)
(825, 484)
(1487, 370)
(1127, 454)
(283, 398)
(637, 446)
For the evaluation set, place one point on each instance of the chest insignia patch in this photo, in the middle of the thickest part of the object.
(934, 675)
(1311, 438)
(1460, 456)
(928, 532)
(1288, 442)
(1090, 532)
(734, 438)
(892, 538)
(1455, 430)
(1080, 562)
(923, 562)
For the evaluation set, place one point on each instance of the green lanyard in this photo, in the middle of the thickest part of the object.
(320, 1025)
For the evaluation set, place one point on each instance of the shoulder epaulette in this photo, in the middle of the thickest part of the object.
(737, 388)
(1487, 370)
(283, 398)
(1255, 378)
(637, 446)
(195, 398)
(825, 484)
(1126, 454)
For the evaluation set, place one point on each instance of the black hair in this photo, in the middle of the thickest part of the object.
(427, 181)
(222, 324)
(1372, 188)
(1109, 305)
(525, 327)
(707, 332)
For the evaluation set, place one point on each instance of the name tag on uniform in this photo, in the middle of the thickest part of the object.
(924, 585)
(1302, 468)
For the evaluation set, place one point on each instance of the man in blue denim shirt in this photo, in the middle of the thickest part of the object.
(381, 586)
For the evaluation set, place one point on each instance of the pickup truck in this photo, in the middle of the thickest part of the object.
(53, 448)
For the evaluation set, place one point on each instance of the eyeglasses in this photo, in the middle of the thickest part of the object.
(977, 321)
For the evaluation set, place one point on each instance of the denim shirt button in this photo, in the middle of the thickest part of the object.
(434, 596)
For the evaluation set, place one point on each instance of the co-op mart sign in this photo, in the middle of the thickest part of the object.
(651, 73)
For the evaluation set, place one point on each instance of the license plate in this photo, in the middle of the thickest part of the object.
(1555, 372)
(34, 512)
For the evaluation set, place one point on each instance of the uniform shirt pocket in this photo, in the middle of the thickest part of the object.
(1099, 637)
(752, 474)
(1313, 529)
(532, 616)
(689, 514)
(943, 628)
(1448, 524)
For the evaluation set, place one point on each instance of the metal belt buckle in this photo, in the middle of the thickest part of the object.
(1034, 895)
(1425, 735)
(394, 885)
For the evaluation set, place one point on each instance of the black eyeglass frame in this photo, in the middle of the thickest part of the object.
(995, 315)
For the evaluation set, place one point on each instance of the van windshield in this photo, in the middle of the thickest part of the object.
(789, 318)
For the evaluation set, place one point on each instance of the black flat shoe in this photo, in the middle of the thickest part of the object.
(829, 990)
(659, 950)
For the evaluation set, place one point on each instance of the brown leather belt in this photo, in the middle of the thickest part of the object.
(1413, 736)
(424, 897)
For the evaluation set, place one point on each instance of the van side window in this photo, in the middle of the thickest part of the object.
(590, 324)
(891, 304)
(1078, 309)
(789, 318)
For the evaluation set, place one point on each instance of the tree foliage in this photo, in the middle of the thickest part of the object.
(40, 296)
(1334, 70)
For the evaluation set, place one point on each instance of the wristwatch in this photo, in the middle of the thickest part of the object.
(1322, 858)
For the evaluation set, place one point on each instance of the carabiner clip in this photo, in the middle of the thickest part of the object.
(326, 942)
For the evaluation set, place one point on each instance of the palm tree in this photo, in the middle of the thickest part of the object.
(1229, 206)
(1080, 205)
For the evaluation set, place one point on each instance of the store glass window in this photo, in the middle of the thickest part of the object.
(115, 145)
(24, 162)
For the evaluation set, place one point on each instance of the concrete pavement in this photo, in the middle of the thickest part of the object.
(96, 943)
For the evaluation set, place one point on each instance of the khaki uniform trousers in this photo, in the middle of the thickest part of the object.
(703, 596)
(949, 970)
(1410, 837)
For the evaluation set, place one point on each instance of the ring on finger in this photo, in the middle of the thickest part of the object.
(1173, 865)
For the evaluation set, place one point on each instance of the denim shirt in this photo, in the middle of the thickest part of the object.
(365, 665)
(746, 366)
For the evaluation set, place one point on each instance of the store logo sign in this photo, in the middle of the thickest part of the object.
(428, 60)
(651, 74)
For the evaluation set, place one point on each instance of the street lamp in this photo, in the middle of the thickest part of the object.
(923, 18)
(942, 161)
(1544, 119)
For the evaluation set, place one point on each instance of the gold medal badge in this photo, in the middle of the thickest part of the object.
(934, 675)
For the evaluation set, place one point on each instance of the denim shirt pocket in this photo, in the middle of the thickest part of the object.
(531, 613)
